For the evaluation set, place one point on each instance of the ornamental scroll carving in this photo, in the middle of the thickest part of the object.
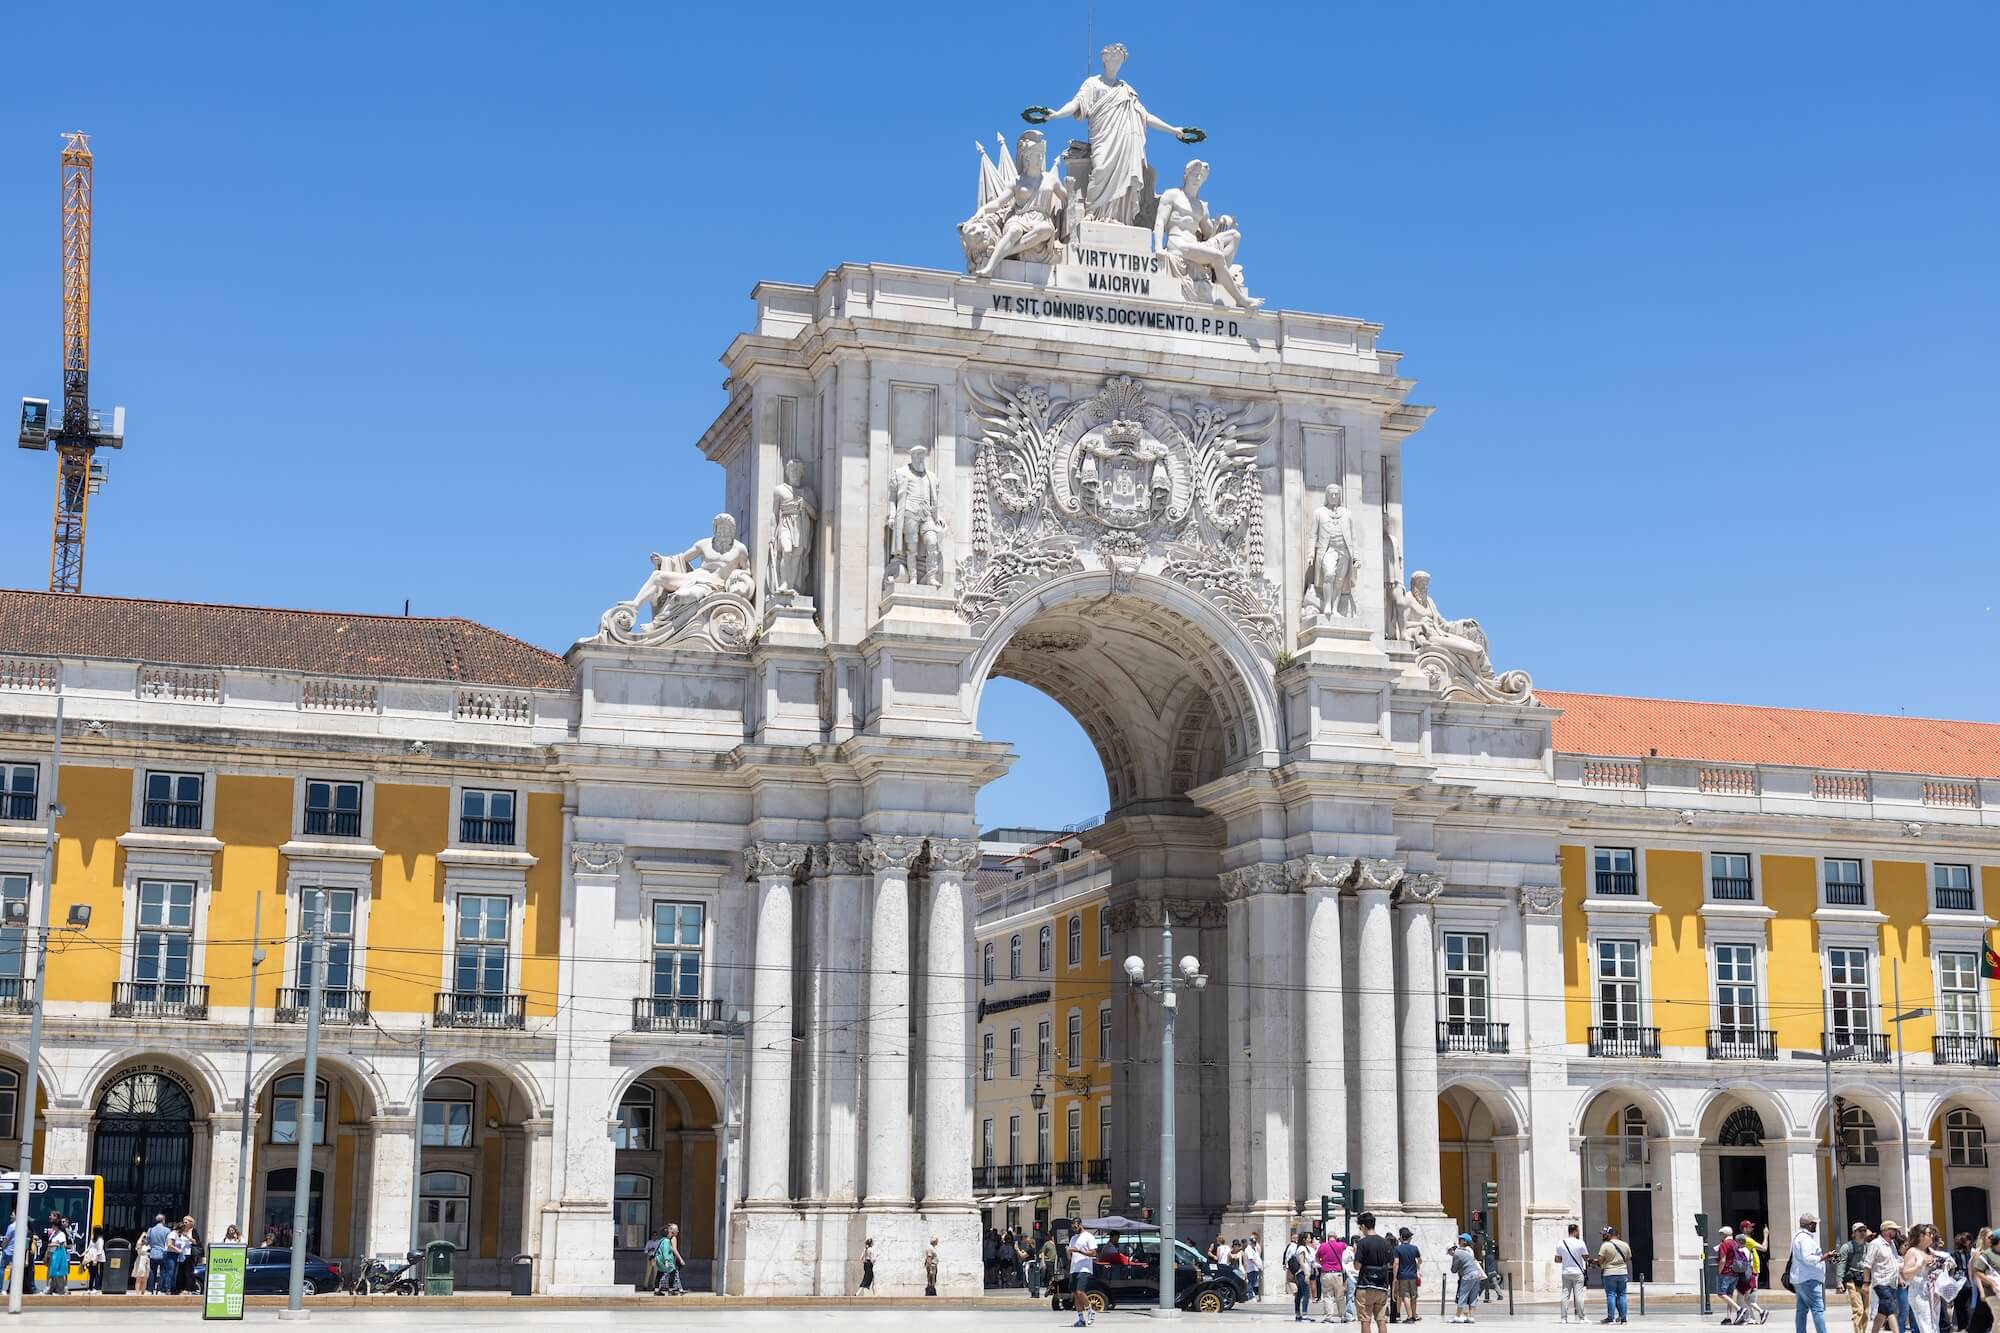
(892, 851)
(1118, 482)
(1422, 888)
(1249, 881)
(596, 858)
(840, 858)
(1540, 899)
(1383, 874)
(777, 860)
(1322, 872)
(957, 856)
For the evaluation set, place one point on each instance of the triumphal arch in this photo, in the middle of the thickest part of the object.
(1089, 460)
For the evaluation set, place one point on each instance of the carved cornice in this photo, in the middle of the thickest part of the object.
(1384, 874)
(1251, 880)
(956, 856)
(777, 860)
(1541, 899)
(596, 858)
(890, 851)
(1321, 872)
(1151, 913)
(1423, 889)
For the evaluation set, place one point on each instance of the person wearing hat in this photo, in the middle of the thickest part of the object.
(1885, 1274)
(1408, 1263)
(1466, 1268)
(1614, 1260)
(1806, 1266)
(1726, 1251)
(1850, 1274)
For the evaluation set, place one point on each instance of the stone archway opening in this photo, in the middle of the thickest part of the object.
(666, 1142)
(338, 1185)
(476, 1182)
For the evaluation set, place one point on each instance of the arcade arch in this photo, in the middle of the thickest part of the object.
(666, 1140)
(339, 1184)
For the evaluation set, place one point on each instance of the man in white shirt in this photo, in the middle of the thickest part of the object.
(1808, 1271)
(1573, 1257)
(1885, 1274)
(1082, 1267)
(1253, 1267)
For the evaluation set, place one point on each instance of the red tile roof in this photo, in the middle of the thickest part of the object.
(1603, 724)
(333, 643)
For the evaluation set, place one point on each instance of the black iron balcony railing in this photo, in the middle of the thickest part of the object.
(1729, 889)
(1036, 1174)
(478, 1009)
(1858, 1048)
(333, 823)
(1619, 1041)
(1097, 1171)
(1007, 1177)
(1617, 883)
(17, 805)
(1846, 893)
(171, 814)
(159, 999)
(665, 1013)
(17, 995)
(982, 1177)
(486, 832)
(1742, 1044)
(343, 1004)
(1965, 1049)
(1954, 898)
(1476, 1035)
(1069, 1173)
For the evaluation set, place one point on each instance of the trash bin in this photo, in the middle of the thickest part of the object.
(524, 1275)
(117, 1267)
(438, 1268)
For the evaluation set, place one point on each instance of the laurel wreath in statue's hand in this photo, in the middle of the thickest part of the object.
(1036, 115)
(1193, 135)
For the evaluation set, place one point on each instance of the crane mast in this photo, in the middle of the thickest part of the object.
(79, 432)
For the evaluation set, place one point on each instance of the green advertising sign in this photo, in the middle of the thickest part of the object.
(222, 1295)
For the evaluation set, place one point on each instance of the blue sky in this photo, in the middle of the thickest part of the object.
(425, 301)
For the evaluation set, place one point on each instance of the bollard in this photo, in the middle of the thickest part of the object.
(1642, 1298)
(1510, 1295)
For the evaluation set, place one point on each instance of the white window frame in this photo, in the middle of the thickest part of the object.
(1971, 884)
(1045, 949)
(511, 953)
(1013, 1138)
(1073, 1039)
(10, 1104)
(208, 795)
(480, 883)
(987, 953)
(1759, 1009)
(1073, 1133)
(986, 1141)
(144, 860)
(1014, 957)
(1045, 1046)
(322, 1100)
(620, 1201)
(25, 949)
(424, 1196)
(302, 874)
(1103, 932)
(1073, 934)
(1044, 1137)
(654, 902)
(1872, 952)
(521, 794)
(1749, 873)
(299, 834)
(629, 1133)
(196, 930)
(471, 1101)
(1485, 975)
(1977, 990)
(1104, 1128)
(986, 1057)
(356, 933)
(1635, 933)
(1104, 1032)
(1867, 885)
(1014, 1051)
(1638, 872)
(8, 766)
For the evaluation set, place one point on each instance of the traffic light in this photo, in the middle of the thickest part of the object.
(1135, 1198)
(1325, 1212)
(1492, 1196)
(1343, 1189)
(1701, 1225)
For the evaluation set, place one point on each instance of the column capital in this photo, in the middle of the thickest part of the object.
(776, 860)
(840, 858)
(890, 851)
(596, 858)
(78, 1117)
(1541, 899)
(1379, 875)
(1251, 880)
(393, 1124)
(956, 856)
(1422, 890)
(1321, 872)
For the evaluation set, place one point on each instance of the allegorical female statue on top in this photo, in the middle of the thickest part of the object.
(1118, 189)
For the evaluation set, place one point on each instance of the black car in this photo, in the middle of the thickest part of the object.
(1128, 1274)
(268, 1272)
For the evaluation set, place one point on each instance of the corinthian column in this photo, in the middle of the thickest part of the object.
(886, 1167)
(1420, 1066)
(768, 1136)
(1322, 1037)
(948, 1025)
(1376, 1006)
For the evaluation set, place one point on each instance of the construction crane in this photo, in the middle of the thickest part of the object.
(82, 431)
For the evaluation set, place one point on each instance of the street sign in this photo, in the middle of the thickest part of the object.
(222, 1294)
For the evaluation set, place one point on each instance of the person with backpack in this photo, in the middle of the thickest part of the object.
(1471, 1277)
(1850, 1274)
(1727, 1274)
(1299, 1268)
(1614, 1260)
(1374, 1270)
(670, 1262)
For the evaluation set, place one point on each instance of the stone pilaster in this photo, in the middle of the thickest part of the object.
(1322, 1033)
(768, 1131)
(389, 1185)
(1418, 1057)
(886, 1160)
(1380, 1170)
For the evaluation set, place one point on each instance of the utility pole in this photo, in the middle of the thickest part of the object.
(1837, 1204)
(731, 1031)
(24, 1251)
(417, 1146)
(1900, 1017)
(1167, 989)
(314, 930)
(249, 1062)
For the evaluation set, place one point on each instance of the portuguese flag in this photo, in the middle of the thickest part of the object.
(1989, 962)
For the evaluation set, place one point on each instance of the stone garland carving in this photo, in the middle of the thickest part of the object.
(1331, 563)
(794, 515)
(1422, 888)
(891, 851)
(596, 858)
(1322, 872)
(916, 537)
(1251, 880)
(1452, 653)
(697, 605)
(777, 860)
(1151, 914)
(1541, 899)
(958, 856)
(1381, 874)
(1117, 482)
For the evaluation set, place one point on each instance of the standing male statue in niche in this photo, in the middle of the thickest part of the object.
(1118, 121)
(793, 512)
(1330, 568)
(916, 526)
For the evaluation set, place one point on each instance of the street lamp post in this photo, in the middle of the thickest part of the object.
(732, 1029)
(312, 932)
(1167, 988)
(1900, 1017)
(249, 1065)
